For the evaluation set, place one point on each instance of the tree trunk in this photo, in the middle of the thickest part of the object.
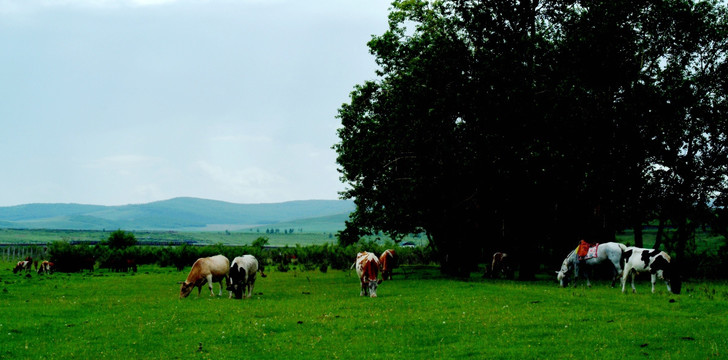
(638, 236)
(660, 234)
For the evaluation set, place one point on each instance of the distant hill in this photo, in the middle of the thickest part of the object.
(175, 214)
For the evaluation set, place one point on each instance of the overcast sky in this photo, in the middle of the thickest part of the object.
(114, 102)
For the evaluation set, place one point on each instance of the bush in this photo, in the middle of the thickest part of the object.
(71, 258)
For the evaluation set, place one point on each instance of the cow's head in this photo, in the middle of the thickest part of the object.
(372, 286)
(666, 271)
(185, 289)
(236, 280)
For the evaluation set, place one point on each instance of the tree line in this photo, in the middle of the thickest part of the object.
(121, 249)
(529, 125)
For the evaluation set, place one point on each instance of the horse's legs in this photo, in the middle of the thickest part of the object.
(617, 271)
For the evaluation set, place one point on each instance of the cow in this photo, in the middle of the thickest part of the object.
(654, 261)
(23, 265)
(387, 261)
(46, 267)
(123, 265)
(206, 270)
(500, 266)
(241, 279)
(367, 267)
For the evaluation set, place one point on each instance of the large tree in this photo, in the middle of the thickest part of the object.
(534, 122)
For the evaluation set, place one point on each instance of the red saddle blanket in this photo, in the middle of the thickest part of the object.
(587, 251)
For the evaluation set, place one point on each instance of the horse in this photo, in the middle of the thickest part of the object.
(610, 251)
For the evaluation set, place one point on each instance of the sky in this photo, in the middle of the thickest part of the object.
(114, 102)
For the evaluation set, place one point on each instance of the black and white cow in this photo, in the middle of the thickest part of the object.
(656, 262)
(242, 276)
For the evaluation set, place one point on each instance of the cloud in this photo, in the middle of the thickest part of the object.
(249, 182)
(127, 164)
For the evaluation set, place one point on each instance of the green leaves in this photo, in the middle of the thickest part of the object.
(581, 117)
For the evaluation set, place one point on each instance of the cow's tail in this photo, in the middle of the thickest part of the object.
(623, 247)
(352, 265)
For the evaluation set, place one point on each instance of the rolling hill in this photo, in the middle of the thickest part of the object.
(175, 214)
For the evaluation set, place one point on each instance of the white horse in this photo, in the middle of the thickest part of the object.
(611, 251)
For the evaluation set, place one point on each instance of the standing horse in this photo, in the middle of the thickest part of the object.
(610, 251)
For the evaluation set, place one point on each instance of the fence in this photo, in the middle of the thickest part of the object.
(17, 252)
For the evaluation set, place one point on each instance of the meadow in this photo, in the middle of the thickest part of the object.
(315, 315)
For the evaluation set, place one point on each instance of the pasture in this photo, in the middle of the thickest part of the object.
(314, 315)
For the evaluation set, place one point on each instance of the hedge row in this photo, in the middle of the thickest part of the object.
(71, 258)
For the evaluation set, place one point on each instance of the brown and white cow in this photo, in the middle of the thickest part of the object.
(46, 267)
(26, 265)
(241, 280)
(501, 266)
(206, 270)
(367, 267)
(387, 261)
(656, 262)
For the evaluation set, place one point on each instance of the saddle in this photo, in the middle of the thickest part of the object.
(586, 251)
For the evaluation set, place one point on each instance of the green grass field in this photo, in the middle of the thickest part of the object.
(314, 315)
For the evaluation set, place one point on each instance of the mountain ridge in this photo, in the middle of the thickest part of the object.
(173, 214)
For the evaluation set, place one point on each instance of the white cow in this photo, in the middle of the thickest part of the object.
(242, 276)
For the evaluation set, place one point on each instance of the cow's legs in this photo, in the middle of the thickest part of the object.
(634, 289)
(363, 289)
(251, 283)
(209, 284)
(653, 279)
(221, 285)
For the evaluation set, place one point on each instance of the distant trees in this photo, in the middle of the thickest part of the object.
(531, 124)
(120, 240)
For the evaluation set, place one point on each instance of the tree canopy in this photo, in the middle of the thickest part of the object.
(528, 125)
(121, 239)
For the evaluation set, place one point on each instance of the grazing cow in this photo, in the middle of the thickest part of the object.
(46, 267)
(387, 261)
(367, 267)
(23, 265)
(206, 270)
(501, 265)
(123, 265)
(656, 262)
(241, 280)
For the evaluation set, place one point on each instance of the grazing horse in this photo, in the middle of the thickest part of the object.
(610, 251)
(656, 262)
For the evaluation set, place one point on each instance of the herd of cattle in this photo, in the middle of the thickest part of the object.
(45, 267)
(240, 276)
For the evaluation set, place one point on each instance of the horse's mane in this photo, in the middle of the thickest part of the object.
(568, 261)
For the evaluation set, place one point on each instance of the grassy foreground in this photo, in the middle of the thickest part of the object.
(314, 315)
